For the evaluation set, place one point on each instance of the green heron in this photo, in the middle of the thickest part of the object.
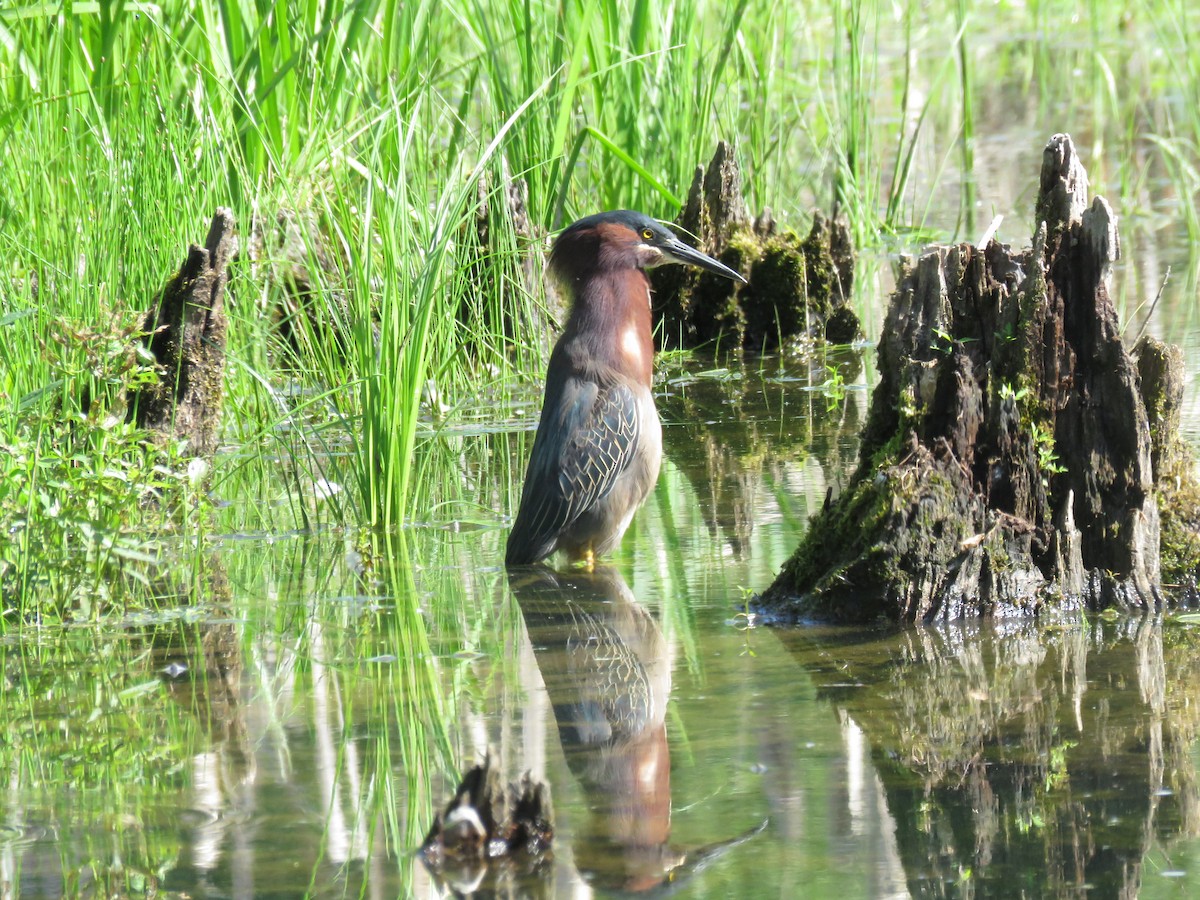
(599, 442)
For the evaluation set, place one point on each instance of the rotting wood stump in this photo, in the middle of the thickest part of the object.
(799, 288)
(501, 223)
(1161, 371)
(185, 331)
(488, 835)
(305, 260)
(1008, 462)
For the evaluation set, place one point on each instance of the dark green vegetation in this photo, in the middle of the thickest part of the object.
(799, 290)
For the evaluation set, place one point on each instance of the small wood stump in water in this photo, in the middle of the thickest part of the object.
(487, 832)
(186, 333)
(1008, 461)
(799, 288)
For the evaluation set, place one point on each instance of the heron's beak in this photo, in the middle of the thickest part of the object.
(677, 251)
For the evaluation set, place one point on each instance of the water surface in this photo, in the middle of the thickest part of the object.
(292, 727)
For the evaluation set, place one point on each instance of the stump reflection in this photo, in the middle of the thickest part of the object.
(1007, 755)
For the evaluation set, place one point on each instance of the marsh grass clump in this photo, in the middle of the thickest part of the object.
(502, 295)
(299, 256)
(86, 497)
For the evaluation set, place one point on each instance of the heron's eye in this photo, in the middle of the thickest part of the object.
(647, 234)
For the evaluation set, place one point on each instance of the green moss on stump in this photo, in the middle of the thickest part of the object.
(799, 290)
(776, 300)
(1161, 373)
(1179, 536)
(853, 522)
(857, 559)
(820, 275)
(843, 326)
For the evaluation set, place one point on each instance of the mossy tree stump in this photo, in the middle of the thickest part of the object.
(799, 288)
(1007, 463)
(186, 332)
(1161, 370)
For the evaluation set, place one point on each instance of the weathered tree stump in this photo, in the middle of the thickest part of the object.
(799, 288)
(1161, 373)
(502, 261)
(488, 832)
(1007, 461)
(186, 333)
(307, 266)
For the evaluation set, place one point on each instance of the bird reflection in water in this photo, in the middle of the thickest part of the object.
(607, 670)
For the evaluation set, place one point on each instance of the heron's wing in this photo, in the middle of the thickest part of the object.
(586, 438)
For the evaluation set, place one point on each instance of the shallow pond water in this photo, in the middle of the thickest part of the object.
(293, 727)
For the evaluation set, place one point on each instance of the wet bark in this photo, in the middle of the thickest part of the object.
(1006, 465)
(186, 334)
(799, 288)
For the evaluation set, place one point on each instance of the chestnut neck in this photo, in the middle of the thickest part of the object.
(610, 317)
